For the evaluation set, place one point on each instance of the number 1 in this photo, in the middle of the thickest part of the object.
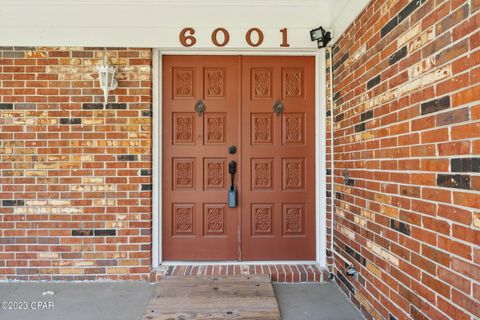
(284, 33)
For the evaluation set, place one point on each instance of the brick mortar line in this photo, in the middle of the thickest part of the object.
(446, 157)
(436, 217)
(448, 126)
(470, 244)
(398, 111)
(406, 68)
(408, 210)
(409, 289)
(408, 171)
(422, 284)
(410, 250)
(416, 185)
(420, 76)
(452, 44)
(449, 268)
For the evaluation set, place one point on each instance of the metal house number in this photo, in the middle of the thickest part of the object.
(187, 38)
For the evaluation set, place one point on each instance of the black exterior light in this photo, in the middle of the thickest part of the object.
(322, 36)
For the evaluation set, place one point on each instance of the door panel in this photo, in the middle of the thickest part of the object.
(275, 217)
(278, 159)
(197, 223)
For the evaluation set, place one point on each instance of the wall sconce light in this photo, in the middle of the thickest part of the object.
(322, 36)
(106, 76)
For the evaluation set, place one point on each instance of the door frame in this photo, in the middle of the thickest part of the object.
(320, 146)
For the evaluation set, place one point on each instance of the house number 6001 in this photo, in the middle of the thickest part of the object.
(187, 38)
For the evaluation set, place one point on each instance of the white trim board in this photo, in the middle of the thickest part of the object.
(156, 158)
(320, 154)
(157, 23)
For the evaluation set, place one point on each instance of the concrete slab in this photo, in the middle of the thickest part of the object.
(128, 301)
(76, 301)
(314, 301)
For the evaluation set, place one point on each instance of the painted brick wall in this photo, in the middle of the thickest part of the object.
(407, 159)
(75, 176)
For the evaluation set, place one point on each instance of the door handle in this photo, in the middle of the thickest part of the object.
(232, 193)
(232, 169)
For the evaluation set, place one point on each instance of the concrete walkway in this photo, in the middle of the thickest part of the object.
(128, 300)
(314, 301)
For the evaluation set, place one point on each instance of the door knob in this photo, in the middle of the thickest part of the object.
(232, 149)
(200, 107)
(278, 107)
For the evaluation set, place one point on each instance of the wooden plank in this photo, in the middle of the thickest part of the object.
(238, 292)
(214, 315)
(213, 297)
(226, 279)
(156, 315)
(207, 303)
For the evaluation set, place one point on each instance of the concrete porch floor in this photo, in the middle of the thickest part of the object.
(128, 300)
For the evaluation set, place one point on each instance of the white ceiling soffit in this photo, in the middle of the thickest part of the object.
(157, 23)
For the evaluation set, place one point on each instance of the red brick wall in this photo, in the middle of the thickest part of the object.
(407, 133)
(75, 176)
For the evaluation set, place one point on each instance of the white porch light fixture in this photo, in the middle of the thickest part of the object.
(106, 76)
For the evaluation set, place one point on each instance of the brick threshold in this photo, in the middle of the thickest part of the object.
(281, 273)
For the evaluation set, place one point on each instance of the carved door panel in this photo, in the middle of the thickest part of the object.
(197, 223)
(278, 159)
(275, 217)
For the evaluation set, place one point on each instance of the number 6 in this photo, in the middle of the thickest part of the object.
(187, 41)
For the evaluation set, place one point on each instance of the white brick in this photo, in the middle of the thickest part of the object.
(409, 87)
(437, 75)
(409, 35)
(421, 67)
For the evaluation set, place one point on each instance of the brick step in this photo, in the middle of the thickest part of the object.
(283, 273)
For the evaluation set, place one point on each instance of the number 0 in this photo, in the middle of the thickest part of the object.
(248, 37)
(226, 37)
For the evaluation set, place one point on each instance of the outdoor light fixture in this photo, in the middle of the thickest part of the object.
(322, 36)
(106, 76)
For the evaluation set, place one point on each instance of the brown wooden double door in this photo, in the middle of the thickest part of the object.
(275, 179)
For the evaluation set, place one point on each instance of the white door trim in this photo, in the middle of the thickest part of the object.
(320, 142)
(321, 157)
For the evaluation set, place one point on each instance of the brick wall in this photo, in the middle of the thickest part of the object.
(407, 135)
(75, 176)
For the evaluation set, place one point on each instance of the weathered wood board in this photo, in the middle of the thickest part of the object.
(213, 297)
